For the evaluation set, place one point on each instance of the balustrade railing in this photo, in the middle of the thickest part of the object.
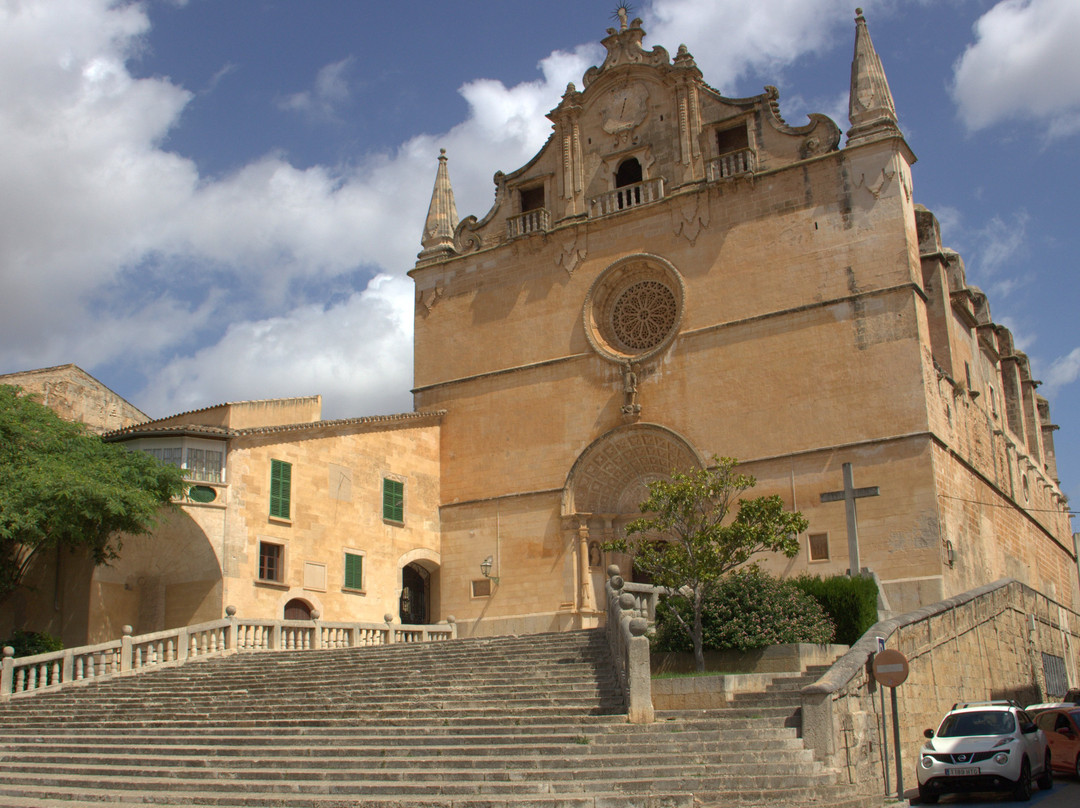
(531, 221)
(629, 647)
(731, 165)
(132, 654)
(629, 196)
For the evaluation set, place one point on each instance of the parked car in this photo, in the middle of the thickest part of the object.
(984, 746)
(1061, 723)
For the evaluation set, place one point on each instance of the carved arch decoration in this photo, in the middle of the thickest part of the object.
(612, 475)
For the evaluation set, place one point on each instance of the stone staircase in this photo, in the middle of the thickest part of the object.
(510, 722)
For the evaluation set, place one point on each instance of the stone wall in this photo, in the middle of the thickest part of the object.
(984, 644)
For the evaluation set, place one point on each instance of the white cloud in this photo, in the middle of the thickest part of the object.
(330, 93)
(729, 38)
(357, 354)
(1023, 64)
(1062, 371)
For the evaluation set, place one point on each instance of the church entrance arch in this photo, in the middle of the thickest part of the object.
(606, 485)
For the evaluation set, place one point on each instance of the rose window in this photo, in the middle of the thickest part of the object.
(643, 315)
(634, 308)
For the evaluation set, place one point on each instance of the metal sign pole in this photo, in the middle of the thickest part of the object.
(896, 746)
(884, 724)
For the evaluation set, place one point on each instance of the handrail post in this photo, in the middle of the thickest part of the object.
(316, 638)
(183, 644)
(7, 669)
(67, 672)
(452, 622)
(125, 649)
(232, 633)
(388, 619)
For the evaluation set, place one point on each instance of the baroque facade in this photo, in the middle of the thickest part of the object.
(675, 275)
(678, 275)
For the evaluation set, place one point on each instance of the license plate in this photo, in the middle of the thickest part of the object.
(963, 771)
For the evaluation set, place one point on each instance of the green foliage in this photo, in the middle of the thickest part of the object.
(28, 643)
(748, 609)
(850, 602)
(687, 543)
(62, 486)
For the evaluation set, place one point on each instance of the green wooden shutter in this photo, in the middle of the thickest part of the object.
(354, 571)
(280, 488)
(393, 501)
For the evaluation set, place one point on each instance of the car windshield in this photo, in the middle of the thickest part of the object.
(985, 722)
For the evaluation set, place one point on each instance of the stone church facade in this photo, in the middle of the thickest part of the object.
(676, 275)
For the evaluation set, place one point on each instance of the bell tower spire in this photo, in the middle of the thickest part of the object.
(442, 217)
(871, 110)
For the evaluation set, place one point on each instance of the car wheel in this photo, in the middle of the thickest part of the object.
(1046, 779)
(1022, 786)
(927, 797)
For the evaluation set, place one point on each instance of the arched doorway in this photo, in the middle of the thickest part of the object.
(297, 609)
(607, 484)
(415, 595)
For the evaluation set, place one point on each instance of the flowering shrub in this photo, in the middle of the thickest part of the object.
(851, 603)
(747, 609)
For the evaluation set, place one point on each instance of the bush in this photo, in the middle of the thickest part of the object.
(28, 643)
(850, 602)
(747, 609)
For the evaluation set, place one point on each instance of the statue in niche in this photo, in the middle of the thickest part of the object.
(630, 380)
(596, 558)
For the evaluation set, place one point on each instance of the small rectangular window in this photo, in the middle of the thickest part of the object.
(732, 140)
(280, 488)
(393, 503)
(354, 571)
(819, 546)
(532, 198)
(271, 566)
(481, 588)
(204, 465)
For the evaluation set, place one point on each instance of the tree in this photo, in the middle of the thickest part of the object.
(62, 486)
(684, 544)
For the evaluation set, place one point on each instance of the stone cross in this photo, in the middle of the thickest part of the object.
(849, 495)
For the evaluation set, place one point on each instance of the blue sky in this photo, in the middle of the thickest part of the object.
(216, 200)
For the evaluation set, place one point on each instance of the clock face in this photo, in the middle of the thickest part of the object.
(625, 109)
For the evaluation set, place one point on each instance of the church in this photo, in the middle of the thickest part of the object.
(676, 275)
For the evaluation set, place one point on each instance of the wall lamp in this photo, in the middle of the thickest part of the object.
(485, 569)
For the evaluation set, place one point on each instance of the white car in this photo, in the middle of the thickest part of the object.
(984, 746)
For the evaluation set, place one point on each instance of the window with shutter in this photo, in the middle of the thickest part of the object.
(280, 488)
(393, 500)
(354, 571)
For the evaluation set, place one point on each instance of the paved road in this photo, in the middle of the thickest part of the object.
(1064, 794)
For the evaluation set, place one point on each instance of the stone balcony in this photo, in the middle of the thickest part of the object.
(732, 164)
(629, 196)
(531, 221)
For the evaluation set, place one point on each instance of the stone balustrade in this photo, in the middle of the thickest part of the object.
(629, 196)
(531, 221)
(132, 654)
(629, 648)
(731, 165)
(989, 643)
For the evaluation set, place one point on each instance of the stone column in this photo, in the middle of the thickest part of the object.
(587, 598)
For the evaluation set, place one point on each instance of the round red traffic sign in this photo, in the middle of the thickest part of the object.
(890, 667)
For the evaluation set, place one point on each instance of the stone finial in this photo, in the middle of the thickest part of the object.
(442, 217)
(388, 618)
(451, 619)
(627, 601)
(613, 570)
(871, 109)
(9, 651)
(638, 626)
(230, 611)
(315, 614)
(126, 630)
